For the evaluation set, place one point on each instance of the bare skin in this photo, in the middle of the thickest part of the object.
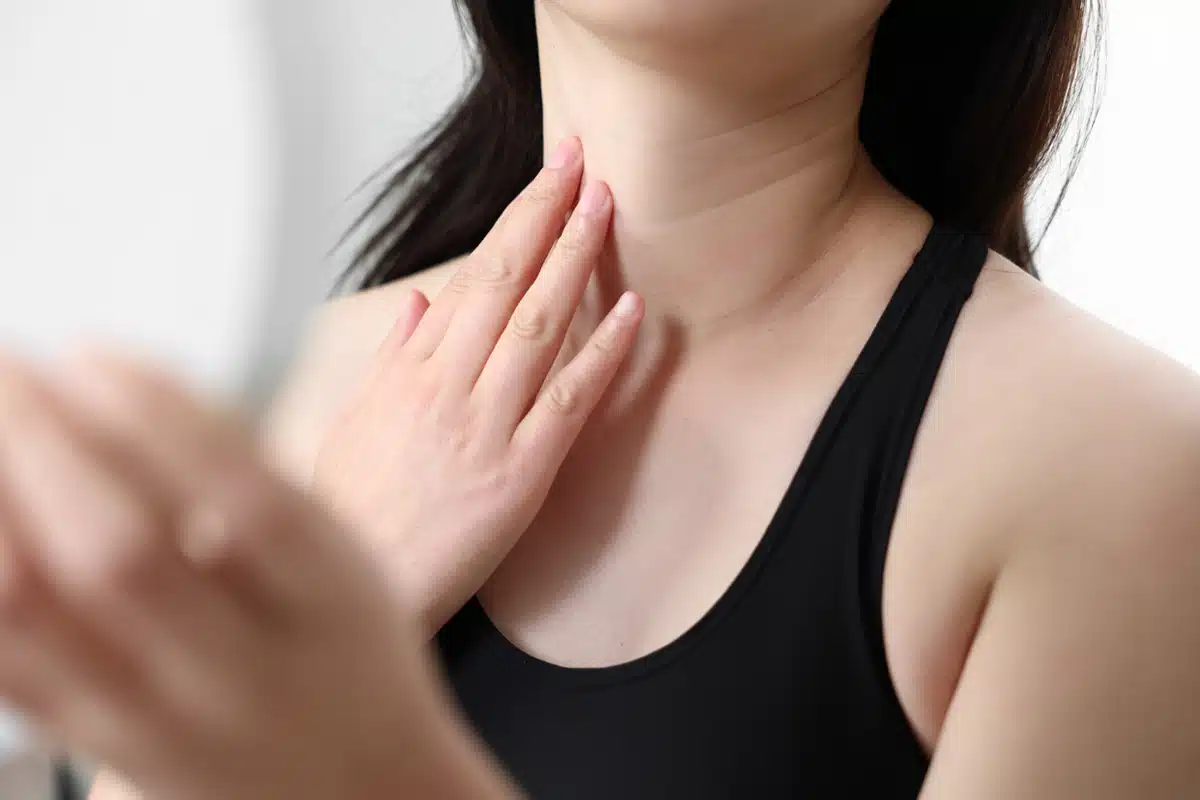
(1042, 590)
(1084, 504)
(1092, 447)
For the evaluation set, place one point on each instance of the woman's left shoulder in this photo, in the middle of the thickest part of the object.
(1073, 451)
(1100, 429)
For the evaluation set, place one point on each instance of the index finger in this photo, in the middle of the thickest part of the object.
(511, 254)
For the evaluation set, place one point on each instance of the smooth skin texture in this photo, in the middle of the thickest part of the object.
(169, 602)
(1042, 591)
(170, 606)
(479, 454)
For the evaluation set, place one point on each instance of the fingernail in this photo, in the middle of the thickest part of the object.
(594, 198)
(565, 154)
(627, 306)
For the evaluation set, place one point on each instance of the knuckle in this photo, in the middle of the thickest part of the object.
(253, 510)
(540, 193)
(460, 430)
(458, 438)
(421, 394)
(425, 400)
(203, 537)
(530, 324)
(459, 282)
(573, 244)
(495, 273)
(562, 398)
(19, 591)
(126, 561)
(484, 273)
(500, 482)
(606, 345)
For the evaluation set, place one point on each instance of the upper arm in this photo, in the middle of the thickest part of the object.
(301, 412)
(1084, 676)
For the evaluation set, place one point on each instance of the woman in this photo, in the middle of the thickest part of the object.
(861, 510)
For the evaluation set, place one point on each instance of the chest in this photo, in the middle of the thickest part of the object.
(644, 536)
(727, 656)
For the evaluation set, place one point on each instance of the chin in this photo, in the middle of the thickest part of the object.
(666, 20)
(719, 22)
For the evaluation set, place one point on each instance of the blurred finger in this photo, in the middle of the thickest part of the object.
(103, 528)
(23, 599)
(237, 518)
(52, 668)
(62, 496)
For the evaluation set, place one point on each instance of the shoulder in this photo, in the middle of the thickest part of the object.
(1050, 437)
(1072, 452)
(340, 346)
(1080, 415)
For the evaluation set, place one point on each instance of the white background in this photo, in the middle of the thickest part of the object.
(1125, 245)
(136, 154)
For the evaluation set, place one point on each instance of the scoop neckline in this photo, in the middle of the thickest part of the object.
(549, 674)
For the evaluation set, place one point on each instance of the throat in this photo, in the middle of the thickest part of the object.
(733, 197)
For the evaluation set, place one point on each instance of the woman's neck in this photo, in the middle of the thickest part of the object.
(733, 191)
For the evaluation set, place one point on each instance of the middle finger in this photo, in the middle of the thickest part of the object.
(496, 276)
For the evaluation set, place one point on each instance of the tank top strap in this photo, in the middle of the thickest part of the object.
(895, 395)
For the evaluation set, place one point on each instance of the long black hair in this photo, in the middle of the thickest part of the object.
(965, 103)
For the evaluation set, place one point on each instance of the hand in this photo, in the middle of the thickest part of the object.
(170, 607)
(448, 451)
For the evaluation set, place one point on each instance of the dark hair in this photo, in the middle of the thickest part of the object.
(965, 103)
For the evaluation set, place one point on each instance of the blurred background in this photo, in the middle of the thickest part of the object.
(140, 169)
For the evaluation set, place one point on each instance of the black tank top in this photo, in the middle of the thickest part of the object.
(782, 689)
